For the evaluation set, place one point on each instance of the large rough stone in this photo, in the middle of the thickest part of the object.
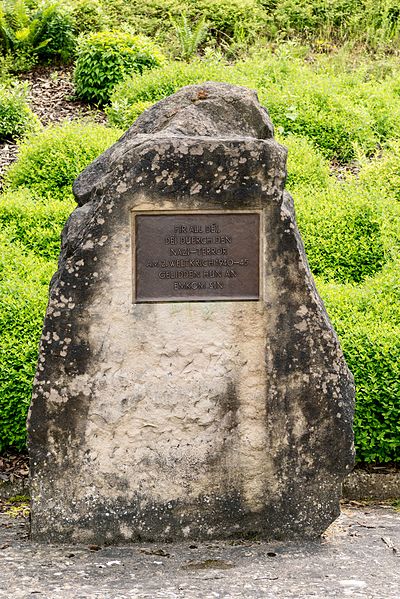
(190, 419)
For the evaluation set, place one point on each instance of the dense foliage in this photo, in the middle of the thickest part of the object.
(39, 31)
(371, 22)
(367, 319)
(105, 58)
(88, 16)
(337, 110)
(34, 31)
(228, 20)
(16, 118)
(50, 160)
(24, 279)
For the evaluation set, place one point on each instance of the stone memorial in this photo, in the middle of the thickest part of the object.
(189, 383)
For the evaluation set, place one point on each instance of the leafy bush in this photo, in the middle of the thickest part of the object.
(228, 20)
(24, 280)
(367, 319)
(375, 23)
(189, 37)
(305, 165)
(104, 59)
(331, 104)
(16, 118)
(383, 172)
(49, 161)
(333, 124)
(88, 16)
(52, 31)
(33, 224)
(29, 246)
(6, 66)
(371, 22)
(341, 228)
(350, 230)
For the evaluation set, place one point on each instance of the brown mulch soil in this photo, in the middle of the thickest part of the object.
(8, 153)
(342, 171)
(51, 98)
(13, 466)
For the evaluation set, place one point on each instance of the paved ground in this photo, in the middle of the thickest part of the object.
(359, 557)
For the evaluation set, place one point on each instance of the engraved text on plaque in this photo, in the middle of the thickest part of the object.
(196, 256)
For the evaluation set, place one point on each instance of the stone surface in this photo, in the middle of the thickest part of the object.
(359, 485)
(198, 419)
(355, 558)
(363, 484)
(13, 488)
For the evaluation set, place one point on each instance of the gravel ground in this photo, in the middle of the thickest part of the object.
(359, 557)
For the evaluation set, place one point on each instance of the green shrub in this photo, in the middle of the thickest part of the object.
(52, 32)
(104, 59)
(33, 224)
(16, 118)
(342, 232)
(336, 109)
(367, 319)
(88, 16)
(29, 246)
(24, 280)
(383, 172)
(49, 161)
(368, 21)
(350, 229)
(7, 79)
(305, 165)
(333, 124)
(190, 37)
(231, 19)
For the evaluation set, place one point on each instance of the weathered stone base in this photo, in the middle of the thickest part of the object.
(206, 518)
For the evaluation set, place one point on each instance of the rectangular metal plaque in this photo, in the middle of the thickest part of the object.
(196, 256)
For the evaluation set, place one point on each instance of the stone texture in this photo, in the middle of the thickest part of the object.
(359, 485)
(186, 420)
(364, 484)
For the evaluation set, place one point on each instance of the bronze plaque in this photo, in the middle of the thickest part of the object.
(196, 256)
